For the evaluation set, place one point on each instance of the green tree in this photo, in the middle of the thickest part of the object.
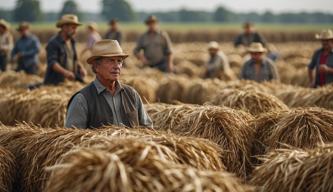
(70, 7)
(222, 14)
(27, 10)
(120, 9)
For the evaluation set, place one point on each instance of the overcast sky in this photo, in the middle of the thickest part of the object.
(236, 5)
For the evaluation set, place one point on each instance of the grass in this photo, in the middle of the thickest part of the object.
(182, 27)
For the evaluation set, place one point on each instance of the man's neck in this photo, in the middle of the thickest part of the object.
(110, 85)
(64, 36)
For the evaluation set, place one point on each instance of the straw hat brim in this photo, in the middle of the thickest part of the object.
(319, 37)
(61, 23)
(91, 59)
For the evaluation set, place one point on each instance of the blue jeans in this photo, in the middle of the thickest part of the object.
(162, 66)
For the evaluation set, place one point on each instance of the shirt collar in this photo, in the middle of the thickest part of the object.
(101, 88)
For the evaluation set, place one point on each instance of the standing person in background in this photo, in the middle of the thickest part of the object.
(322, 61)
(259, 68)
(113, 33)
(93, 37)
(249, 36)
(156, 46)
(218, 64)
(62, 59)
(26, 50)
(6, 44)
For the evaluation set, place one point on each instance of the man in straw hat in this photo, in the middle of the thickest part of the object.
(62, 59)
(114, 33)
(6, 44)
(93, 37)
(259, 68)
(156, 47)
(322, 61)
(106, 101)
(218, 64)
(26, 50)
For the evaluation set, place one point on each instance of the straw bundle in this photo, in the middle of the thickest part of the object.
(300, 127)
(250, 101)
(189, 69)
(18, 80)
(224, 126)
(145, 87)
(7, 170)
(173, 89)
(97, 170)
(296, 170)
(200, 92)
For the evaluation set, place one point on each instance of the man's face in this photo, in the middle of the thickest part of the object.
(257, 56)
(114, 26)
(24, 32)
(213, 52)
(152, 26)
(109, 68)
(70, 30)
(327, 44)
(248, 29)
(2, 29)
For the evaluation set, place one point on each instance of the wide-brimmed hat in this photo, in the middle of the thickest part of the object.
(106, 48)
(151, 19)
(325, 35)
(256, 48)
(4, 23)
(213, 45)
(22, 26)
(68, 19)
(92, 25)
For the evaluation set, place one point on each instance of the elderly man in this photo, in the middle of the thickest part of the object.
(26, 50)
(6, 44)
(113, 32)
(62, 59)
(156, 46)
(107, 101)
(259, 68)
(322, 61)
(218, 64)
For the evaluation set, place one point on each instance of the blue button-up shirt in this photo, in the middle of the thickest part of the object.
(315, 63)
(28, 47)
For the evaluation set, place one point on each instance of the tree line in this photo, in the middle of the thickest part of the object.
(29, 10)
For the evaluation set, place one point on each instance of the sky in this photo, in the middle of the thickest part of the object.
(164, 5)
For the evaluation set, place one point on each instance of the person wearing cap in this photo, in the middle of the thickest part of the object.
(93, 37)
(218, 64)
(259, 68)
(322, 61)
(6, 44)
(106, 101)
(62, 59)
(26, 50)
(156, 46)
(114, 33)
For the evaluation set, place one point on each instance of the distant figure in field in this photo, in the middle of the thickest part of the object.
(218, 64)
(26, 50)
(259, 68)
(62, 59)
(114, 33)
(93, 37)
(322, 61)
(249, 36)
(156, 46)
(6, 44)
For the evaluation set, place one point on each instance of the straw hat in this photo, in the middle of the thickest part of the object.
(4, 23)
(325, 35)
(213, 45)
(68, 19)
(92, 25)
(256, 48)
(23, 25)
(106, 48)
(151, 19)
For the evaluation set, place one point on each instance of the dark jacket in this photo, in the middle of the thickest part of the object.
(315, 63)
(56, 53)
(99, 111)
(246, 40)
(114, 35)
